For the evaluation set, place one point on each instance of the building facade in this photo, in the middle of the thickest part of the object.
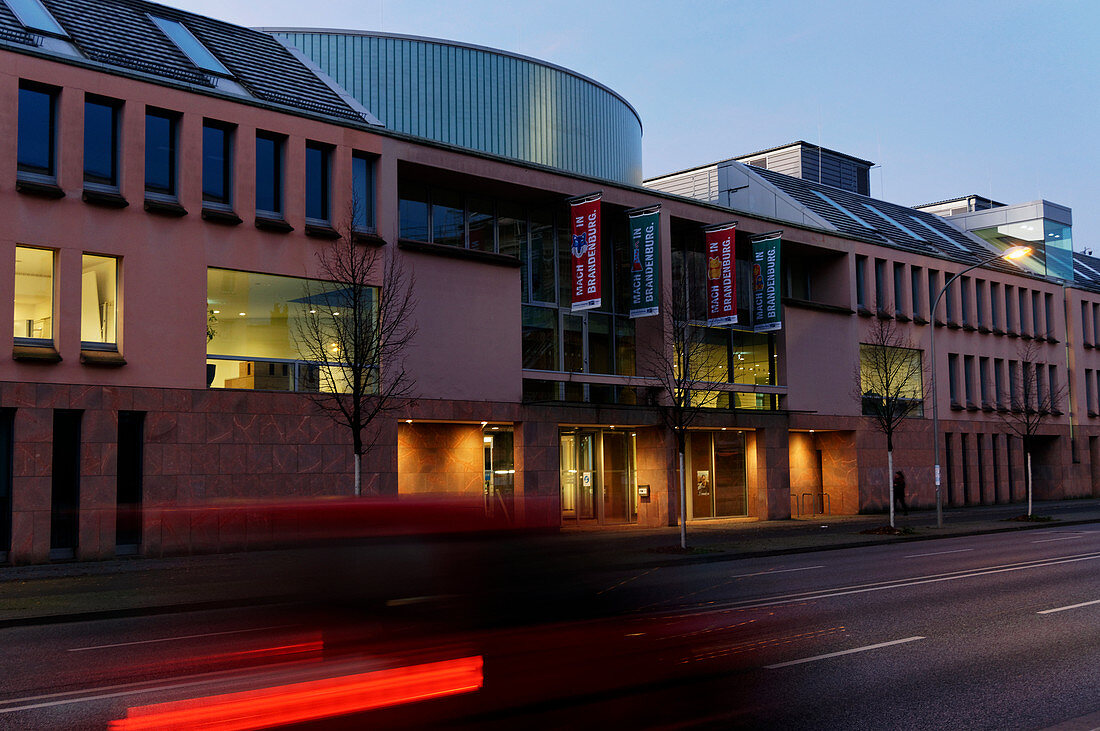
(164, 171)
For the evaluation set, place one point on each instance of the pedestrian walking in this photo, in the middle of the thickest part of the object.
(899, 491)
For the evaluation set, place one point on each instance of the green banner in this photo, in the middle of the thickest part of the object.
(766, 314)
(645, 269)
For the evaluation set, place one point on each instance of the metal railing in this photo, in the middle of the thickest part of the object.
(817, 500)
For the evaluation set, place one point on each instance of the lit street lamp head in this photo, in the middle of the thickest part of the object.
(1016, 252)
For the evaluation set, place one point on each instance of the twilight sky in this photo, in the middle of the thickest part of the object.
(998, 98)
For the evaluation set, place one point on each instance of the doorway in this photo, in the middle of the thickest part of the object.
(716, 474)
(598, 478)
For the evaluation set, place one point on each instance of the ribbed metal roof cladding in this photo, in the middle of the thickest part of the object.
(119, 33)
(482, 99)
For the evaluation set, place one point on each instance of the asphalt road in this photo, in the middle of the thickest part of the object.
(997, 631)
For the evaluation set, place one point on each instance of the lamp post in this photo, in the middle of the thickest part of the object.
(1012, 252)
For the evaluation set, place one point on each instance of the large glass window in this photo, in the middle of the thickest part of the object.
(98, 298)
(317, 181)
(540, 338)
(254, 331)
(33, 293)
(413, 211)
(448, 226)
(37, 121)
(269, 173)
(362, 188)
(543, 257)
(101, 141)
(160, 152)
(892, 378)
(480, 223)
(217, 149)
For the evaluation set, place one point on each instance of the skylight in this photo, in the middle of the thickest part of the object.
(880, 212)
(845, 211)
(34, 16)
(191, 46)
(939, 233)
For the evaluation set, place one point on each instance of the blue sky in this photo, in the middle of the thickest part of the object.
(950, 98)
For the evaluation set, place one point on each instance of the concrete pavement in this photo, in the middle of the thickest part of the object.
(135, 586)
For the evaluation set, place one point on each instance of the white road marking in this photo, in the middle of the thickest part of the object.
(1063, 538)
(1071, 606)
(842, 652)
(939, 553)
(778, 571)
(883, 585)
(181, 637)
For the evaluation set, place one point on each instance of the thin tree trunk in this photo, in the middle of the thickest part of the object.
(683, 504)
(358, 484)
(890, 482)
(1029, 483)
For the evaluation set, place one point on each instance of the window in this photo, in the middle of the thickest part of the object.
(362, 190)
(1090, 392)
(1015, 397)
(160, 152)
(251, 336)
(34, 16)
(269, 173)
(317, 182)
(861, 281)
(968, 380)
(540, 338)
(891, 380)
(1048, 302)
(101, 141)
(979, 301)
(37, 122)
(899, 287)
(949, 303)
(1010, 318)
(1053, 394)
(999, 382)
(1024, 307)
(1086, 331)
(880, 286)
(1038, 322)
(186, 41)
(983, 382)
(33, 294)
(217, 158)
(953, 377)
(98, 298)
(448, 226)
(915, 290)
(933, 293)
(965, 284)
(995, 304)
(1096, 324)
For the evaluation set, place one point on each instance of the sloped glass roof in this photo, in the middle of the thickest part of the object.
(186, 41)
(34, 16)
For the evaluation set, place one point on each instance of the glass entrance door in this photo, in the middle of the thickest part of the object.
(716, 474)
(578, 475)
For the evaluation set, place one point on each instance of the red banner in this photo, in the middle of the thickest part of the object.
(586, 253)
(721, 283)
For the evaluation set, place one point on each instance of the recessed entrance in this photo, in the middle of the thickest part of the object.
(598, 479)
(716, 474)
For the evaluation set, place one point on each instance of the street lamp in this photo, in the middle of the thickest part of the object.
(1011, 253)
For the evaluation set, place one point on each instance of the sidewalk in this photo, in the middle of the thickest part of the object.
(135, 586)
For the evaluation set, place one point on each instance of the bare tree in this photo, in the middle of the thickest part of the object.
(1031, 399)
(890, 385)
(356, 331)
(683, 364)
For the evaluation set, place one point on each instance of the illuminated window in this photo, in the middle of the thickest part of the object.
(98, 302)
(892, 380)
(33, 294)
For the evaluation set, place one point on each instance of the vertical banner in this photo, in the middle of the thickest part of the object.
(645, 267)
(721, 283)
(765, 284)
(585, 213)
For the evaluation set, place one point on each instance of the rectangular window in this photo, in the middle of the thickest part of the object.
(899, 287)
(480, 224)
(1015, 397)
(1086, 331)
(101, 133)
(34, 16)
(1052, 393)
(891, 380)
(1037, 320)
(540, 338)
(965, 285)
(880, 286)
(253, 336)
(362, 191)
(999, 382)
(1025, 308)
(933, 293)
(318, 182)
(543, 257)
(98, 297)
(1048, 302)
(413, 211)
(949, 306)
(269, 173)
(861, 281)
(995, 304)
(191, 46)
(915, 290)
(953, 377)
(37, 129)
(979, 301)
(448, 218)
(160, 152)
(217, 159)
(1090, 392)
(983, 382)
(34, 294)
(1011, 318)
(1096, 324)
(968, 380)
